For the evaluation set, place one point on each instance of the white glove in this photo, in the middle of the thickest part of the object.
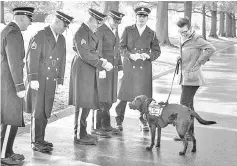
(120, 74)
(34, 85)
(135, 56)
(104, 60)
(108, 66)
(145, 56)
(21, 94)
(102, 74)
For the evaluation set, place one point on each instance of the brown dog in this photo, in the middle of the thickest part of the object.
(176, 114)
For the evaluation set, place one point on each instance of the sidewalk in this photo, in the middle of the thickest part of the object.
(216, 144)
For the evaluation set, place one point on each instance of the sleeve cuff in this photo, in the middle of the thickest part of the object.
(99, 64)
(33, 77)
(20, 87)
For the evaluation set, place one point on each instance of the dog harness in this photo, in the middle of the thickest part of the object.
(156, 110)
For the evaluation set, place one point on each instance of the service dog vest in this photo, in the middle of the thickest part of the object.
(156, 110)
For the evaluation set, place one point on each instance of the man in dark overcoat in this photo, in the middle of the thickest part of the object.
(139, 47)
(107, 81)
(46, 58)
(83, 91)
(12, 86)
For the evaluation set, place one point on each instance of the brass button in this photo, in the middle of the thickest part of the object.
(54, 79)
(56, 69)
(133, 67)
(47, 78)
(50, 57)
(140, 67)
(57, 58)
(49, 68)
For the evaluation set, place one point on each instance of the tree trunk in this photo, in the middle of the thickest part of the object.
(228, 30)
(233, 25)
(162, 23)
(110, 5)
(188, 9)
(204, 21)
(2, 12)
(213, 24)
(222, 24)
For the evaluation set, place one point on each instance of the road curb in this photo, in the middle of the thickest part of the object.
(59, 115)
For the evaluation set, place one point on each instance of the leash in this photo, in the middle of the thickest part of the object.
(176, 71)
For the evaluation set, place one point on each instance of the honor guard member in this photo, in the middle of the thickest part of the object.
(12, 86)
(83, 91)
(46, 58)
(139, 47)
(107, 80)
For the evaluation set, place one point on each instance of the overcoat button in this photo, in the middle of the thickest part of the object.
(56, 69)
(133, 67)
(50, 57)
(47, 78)
(140, 67)
(49, 68)
(57, 58)
(54, 79)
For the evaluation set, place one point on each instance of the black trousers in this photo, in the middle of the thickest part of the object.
(103, 115)
(8, 135)
(38, 127)
(81, 116)
(120, 110)
(187, 96)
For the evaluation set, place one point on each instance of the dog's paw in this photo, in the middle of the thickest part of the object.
(148, 148)
(181, 153)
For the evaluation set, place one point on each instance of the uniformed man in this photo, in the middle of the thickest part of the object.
(12, 86)
(107, 80)
(139, 47)
(83, 91)
(46, 58)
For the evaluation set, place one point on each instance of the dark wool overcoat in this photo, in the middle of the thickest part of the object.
(109, 49)
(46, 60)
(83, 91)
(137, 79)
(12, 55)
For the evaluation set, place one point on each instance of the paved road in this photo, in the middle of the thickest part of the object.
(216, 145)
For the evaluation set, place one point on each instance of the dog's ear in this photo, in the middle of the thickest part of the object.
(145, 104)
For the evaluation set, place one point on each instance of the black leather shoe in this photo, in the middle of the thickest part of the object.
(10, 161)
(85, 141)
(101, 133)
(38, 146)
(47, 143)
(119, 127)
(15, 156)
(112, 130)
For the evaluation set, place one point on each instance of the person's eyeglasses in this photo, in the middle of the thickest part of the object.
(183, 32)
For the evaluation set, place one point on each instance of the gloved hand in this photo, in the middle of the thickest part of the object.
(21, 94)
(102, 74)
(34, 85)
(145, 56)
(135, 56)
(108, 66)
(120, 74)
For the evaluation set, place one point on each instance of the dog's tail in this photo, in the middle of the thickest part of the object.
(200, 120)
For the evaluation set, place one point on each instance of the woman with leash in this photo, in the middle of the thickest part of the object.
(195, 51)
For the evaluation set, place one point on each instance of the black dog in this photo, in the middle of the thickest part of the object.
(176, 114)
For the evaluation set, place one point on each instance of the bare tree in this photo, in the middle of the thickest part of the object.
(222, 24)
(204, 21)
(188, 9)
(2, 12)
(228, 30)
(213, 20)
(162, 23)
(233, 25)
(110, 5)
